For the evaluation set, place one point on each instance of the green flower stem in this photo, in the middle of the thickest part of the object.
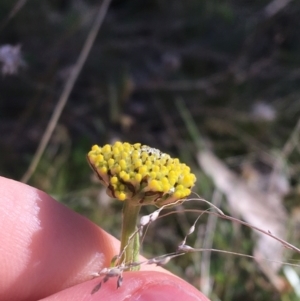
(130, 244)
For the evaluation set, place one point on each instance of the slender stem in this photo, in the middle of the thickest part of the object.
(130, 241)
(67, 90)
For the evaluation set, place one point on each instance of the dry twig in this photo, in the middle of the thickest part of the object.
(67, 89)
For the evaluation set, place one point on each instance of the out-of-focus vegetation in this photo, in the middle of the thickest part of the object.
(236, 66)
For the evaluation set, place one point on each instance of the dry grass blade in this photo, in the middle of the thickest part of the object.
(275, 7)
(67, 89)
(17, 7)
(262, 210)
(205, 281)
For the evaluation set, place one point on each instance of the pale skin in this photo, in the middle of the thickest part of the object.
(49, 252)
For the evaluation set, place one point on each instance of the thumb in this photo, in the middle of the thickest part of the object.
(141, 286)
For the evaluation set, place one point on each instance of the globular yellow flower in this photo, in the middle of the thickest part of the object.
(141, 174)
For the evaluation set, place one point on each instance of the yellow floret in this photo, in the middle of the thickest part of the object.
(123, 164)
(166, 187)
(135, 155)
(177, 194)
(155, 168)
(124, 176)
(114, 180)
(154, 185)
(143, 170)
(124, 155)
(172, 181)
(179, 187)
(152, 174)
(164, 170)
(99, 158)
(118, 144)
(137, 163)
(148, 163)
(144, 156)
(106, 149)
(138, 177)
(187, 192)
(116, 152)
(95, 148)
(110, 162)
(103, 169)
(120, 196)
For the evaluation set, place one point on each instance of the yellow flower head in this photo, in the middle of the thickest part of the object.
(141, 174)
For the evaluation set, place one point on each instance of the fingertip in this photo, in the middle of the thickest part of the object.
(136, 286)
(152, 286)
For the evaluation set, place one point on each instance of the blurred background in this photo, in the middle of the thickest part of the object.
(213, 82)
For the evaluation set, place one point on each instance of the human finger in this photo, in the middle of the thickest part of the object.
(45, 247)
(141, 286)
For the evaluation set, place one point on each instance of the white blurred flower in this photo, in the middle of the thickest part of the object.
(264, 111)
(11, 59)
